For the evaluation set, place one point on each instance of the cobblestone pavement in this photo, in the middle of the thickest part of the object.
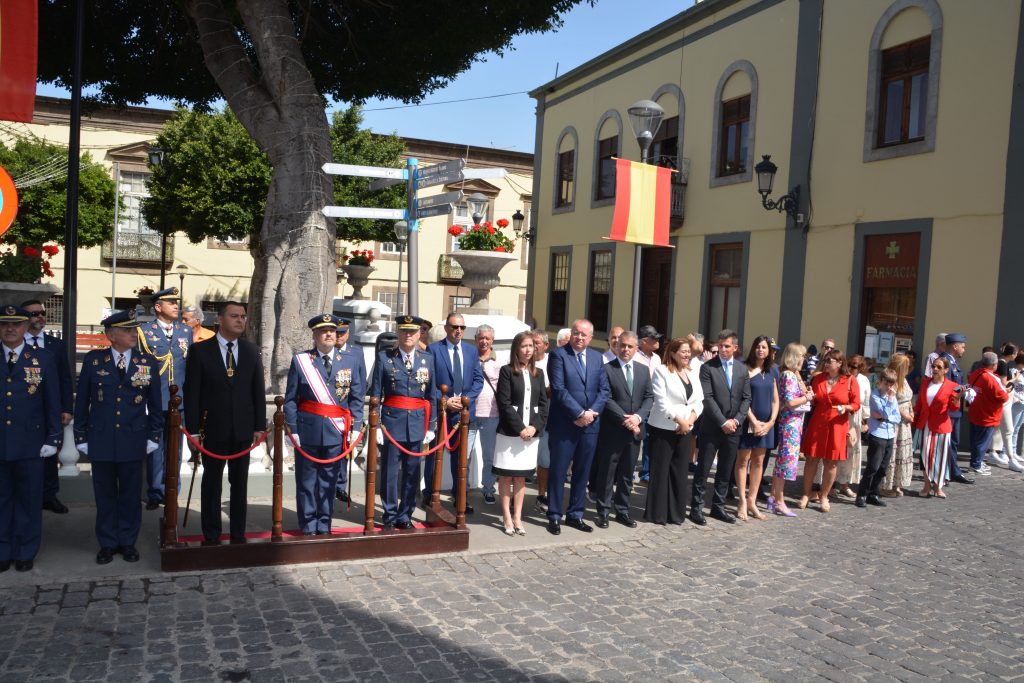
(923, 589)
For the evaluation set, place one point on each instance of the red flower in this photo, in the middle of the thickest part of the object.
(501, 249)
(502, 222)
(490, 229)
(455, 231)
(31, 252)
(51, 249)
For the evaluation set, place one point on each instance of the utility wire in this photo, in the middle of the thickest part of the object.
(431, 104)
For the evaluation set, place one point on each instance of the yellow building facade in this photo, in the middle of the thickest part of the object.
(218, 270)
(896, 124)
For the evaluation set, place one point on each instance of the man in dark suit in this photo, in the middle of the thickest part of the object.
(224, 382)
(579, 390)
(629, 403)
(726, 387)
(36, 338)
(457, 365)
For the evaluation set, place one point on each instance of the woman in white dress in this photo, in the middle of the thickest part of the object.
(522, 414)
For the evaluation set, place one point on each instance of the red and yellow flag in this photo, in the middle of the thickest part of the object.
(18, 51)
(643, 195)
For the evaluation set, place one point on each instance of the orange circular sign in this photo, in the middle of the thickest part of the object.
(8, 201)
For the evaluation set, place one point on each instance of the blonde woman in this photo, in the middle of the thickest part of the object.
(795, 402)
(901, 466)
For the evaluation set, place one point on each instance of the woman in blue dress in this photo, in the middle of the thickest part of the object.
(759, 431)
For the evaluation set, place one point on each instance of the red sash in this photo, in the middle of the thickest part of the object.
(410, 403)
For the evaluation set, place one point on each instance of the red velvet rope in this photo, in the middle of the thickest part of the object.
(198, 446)
(344, 454)
(441, 444)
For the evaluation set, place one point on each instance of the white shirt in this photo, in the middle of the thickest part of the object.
(17, 351)
(652, 361)
(223, 344)
(168, 329)
(542, 364)
(450, 348)
(41, 343)
(695, 363)
(408, 358)
(608, 356)
(117, 356)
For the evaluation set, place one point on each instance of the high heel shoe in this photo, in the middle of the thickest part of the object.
(802, 503)
(520, 531)
(782, 511)
(824, 505)
(753, 511)
(509, 531)
(771, 505)
(741, 513)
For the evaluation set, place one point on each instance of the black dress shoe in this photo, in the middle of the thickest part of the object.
(152, 504)
(209, 542)
(105, 555)
(238, 540)
(403, 525)
(4, 566)
(22, 565)
(723, 516)
(342, 496)
(876, 501)
(601, 522)
(389, 526)
(129, 553)
(626, 520)
(469, 509)
(961, 479)
(425, 503)
(860, 502)
(579, 524)
(697, 517)
(554, 528)
(55, 506)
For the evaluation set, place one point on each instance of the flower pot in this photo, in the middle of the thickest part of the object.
(480, 273)
(147, 303)
(13, 293)
(357, 276)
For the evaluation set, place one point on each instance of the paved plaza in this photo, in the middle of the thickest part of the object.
(921, 590)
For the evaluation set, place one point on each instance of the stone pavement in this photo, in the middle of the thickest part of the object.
(921, 590)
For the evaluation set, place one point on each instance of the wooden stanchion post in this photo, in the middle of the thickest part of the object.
(277, 510)
(462, 472)
(438, 456)
(172, 448)
(371, 467)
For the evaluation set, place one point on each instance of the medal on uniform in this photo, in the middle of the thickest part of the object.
(138, 399)
(231, 372)
(33, 378)
(422, 377)
(343, 383)
(141, 378)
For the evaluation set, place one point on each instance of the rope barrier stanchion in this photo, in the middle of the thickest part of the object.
(460, 482)
(277, 505)
(172, 447)
(195, 443)
(344, 454)
(435, 485)
(420, 454)
(371, 468)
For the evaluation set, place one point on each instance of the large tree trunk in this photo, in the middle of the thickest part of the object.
(277, 101)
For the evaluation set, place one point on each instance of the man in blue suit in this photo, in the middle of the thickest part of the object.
(168, 340)
(36, 338)
(579, 390)
(353, 377)
(318, 411)
(403, 378)
(30, 410)
(117, 421)
(457, 365)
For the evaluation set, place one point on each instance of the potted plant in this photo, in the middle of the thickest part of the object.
(22, 270)
(484, 249)
(357, 268)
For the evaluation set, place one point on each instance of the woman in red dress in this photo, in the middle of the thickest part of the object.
(936, 399)
(836, 396)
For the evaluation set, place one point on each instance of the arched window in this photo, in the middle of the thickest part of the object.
(903, 80)
(735, 116)
(565, 170)
(667, 146)
(607, 146)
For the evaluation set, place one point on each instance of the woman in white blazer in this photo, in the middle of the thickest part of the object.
(678, 402)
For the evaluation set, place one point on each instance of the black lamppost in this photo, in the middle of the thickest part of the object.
(645, 118)
(517, 227)
(787, 203)
(401, 234)
(156, 157)
(182, 272)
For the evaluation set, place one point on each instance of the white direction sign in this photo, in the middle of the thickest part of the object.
(447, 198)
(398, 174)
(361, 212)
(437, 210)
(484, 173)
(382, 183)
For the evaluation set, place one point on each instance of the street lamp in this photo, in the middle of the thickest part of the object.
(477, 207)
(645, 118)
(156, 158)
(401, 234)
(517, 227)
(182, 272)
(787, 203)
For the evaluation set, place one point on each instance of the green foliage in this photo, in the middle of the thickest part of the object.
(41, 207)
(213, 181)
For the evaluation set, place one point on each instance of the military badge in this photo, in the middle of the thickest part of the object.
(95, 361)
(343, 383)
(141, 378)
(422, 377)
(35, 361)
(138, 399)
(33, 378)
(102, 373)
(183, 345)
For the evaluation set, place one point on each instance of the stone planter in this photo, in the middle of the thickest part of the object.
(480, 273)
(147, 304)
(357, 276)
(13, 293)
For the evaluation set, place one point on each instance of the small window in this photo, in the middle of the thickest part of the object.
(559, 285)
(599, 304)
(393, 299)
(392, 248)
(724, 280)
(457, 302)
(566, 177)
(607, 149)
(903, 99)
(665, 146)
(732, 150)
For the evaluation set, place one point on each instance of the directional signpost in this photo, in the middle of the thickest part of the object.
(445, 173)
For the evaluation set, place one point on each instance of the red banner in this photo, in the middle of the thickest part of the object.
(19, 31)
(891, 260)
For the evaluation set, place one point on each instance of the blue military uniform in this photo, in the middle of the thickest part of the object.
(56, 347)
(170, 348)
(118, 417)
(956, 376)
(322, 434)
(394, 379)
(355, 376)
(31, 430)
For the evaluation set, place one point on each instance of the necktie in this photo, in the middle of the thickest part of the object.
(629, 377)
(456, 372)
(35, 342)
(579, 359)
(728, 373)
(11, 360)
(327, 364)
(408, 363)
(230, 359)
(122, 367)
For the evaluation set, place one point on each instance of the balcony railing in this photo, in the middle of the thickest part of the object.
(134, 247)
(448, 270)
(679, 181)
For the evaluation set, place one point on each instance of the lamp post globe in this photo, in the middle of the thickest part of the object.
(765, 170)
(477, 206)
(645, 118)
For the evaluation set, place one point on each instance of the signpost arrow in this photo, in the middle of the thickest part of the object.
(447, 198)
(362, 212)
(398, 174)
(436, 210)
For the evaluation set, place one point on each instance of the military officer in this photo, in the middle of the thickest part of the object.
(32, 430)
(403, 377)
(168, 340)
(354, 374)
(318, 411)
(118, 420)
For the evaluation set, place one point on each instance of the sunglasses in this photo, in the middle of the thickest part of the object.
(37, 314)
(938, 366)
(827, 348)
(457, 327)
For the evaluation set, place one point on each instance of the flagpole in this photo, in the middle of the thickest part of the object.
(634, 312)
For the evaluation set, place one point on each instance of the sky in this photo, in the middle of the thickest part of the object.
(508, 122)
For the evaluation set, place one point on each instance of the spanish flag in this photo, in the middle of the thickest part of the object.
(18, 34)
(642, 203)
